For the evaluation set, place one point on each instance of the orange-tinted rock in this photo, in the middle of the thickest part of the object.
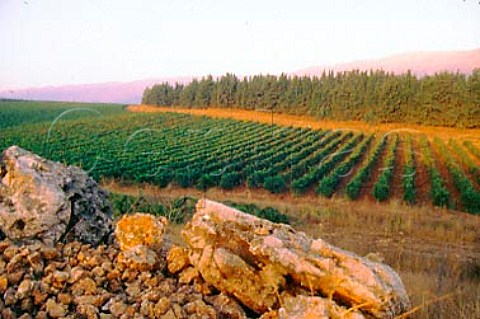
(140, 229)
(252, 259)
(177, 259)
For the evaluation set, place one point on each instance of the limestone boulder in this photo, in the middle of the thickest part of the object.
(256, 261)
(47, 201)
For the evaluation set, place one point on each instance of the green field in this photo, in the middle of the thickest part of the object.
(14, 113)
(191, 151)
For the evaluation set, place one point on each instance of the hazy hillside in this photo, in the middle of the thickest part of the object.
(109, 92)
(421, 63)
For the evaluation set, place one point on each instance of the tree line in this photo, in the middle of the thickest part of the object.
(442, 99)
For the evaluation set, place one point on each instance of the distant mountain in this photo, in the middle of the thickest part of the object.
(420, 63)
(108, 92)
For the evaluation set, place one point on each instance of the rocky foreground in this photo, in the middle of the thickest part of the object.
(54, 263)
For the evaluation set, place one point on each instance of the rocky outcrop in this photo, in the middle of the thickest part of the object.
(46, 201)
(264, 265)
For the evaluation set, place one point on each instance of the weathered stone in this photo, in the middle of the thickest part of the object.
(24, 289)
(162, 306)
(44, 200)
(199, 307)
(7, 314)
(227, 307)
(54, 309)
(3, 284)
(118, 308)
(177, 259)
(140, 229)
(139, 258)
(306, 307)
(251, 259)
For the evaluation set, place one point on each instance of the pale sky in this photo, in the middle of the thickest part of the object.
(54, 42)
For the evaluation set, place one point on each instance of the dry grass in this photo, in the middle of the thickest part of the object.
(435, 251)
(311, 122)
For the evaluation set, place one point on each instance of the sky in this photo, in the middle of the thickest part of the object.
(55, 42)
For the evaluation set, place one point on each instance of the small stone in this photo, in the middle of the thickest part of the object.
(3, 284)
(88, 311)
(147, 309)
(177, 259)
(41, 315)
(59, 278)
(98, 271)
(76, 274)
(49, 253)
(27, 305)
(24, 289)
(16, 277)
(200, 308)
(54, 309)
(169, 315)
(10, 252)
(188, 275)
(140, 229)
(8, 314)
(227, 307)
(162, 306)
(25, 316)
(118, 308)
(9, 297)
(39, 297)
(85, 286)
(139, 258)
(64, 298)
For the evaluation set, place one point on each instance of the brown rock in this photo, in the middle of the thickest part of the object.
(177, 259)
(85, 286)
(87, 311)
(188, 275)
(139, 258)
(59, 278)
(227, 307)
(49, 253)
(250, 258)
(8, 314)
(24, 289)
(162, 306)
(147, 309)
(140, 229)
(169, 315)
(64, 298)
(16, 277)
(118, 308)
(10, 296)
(200, 308)
(54, 309)
(3, 284)
(304, 307)
(41, 315)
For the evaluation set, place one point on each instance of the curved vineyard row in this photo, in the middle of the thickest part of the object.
(190, 151)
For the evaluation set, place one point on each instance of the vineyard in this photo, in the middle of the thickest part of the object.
(193, 151)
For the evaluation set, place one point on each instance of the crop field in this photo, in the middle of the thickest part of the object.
(15, 113)
(172, 149)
